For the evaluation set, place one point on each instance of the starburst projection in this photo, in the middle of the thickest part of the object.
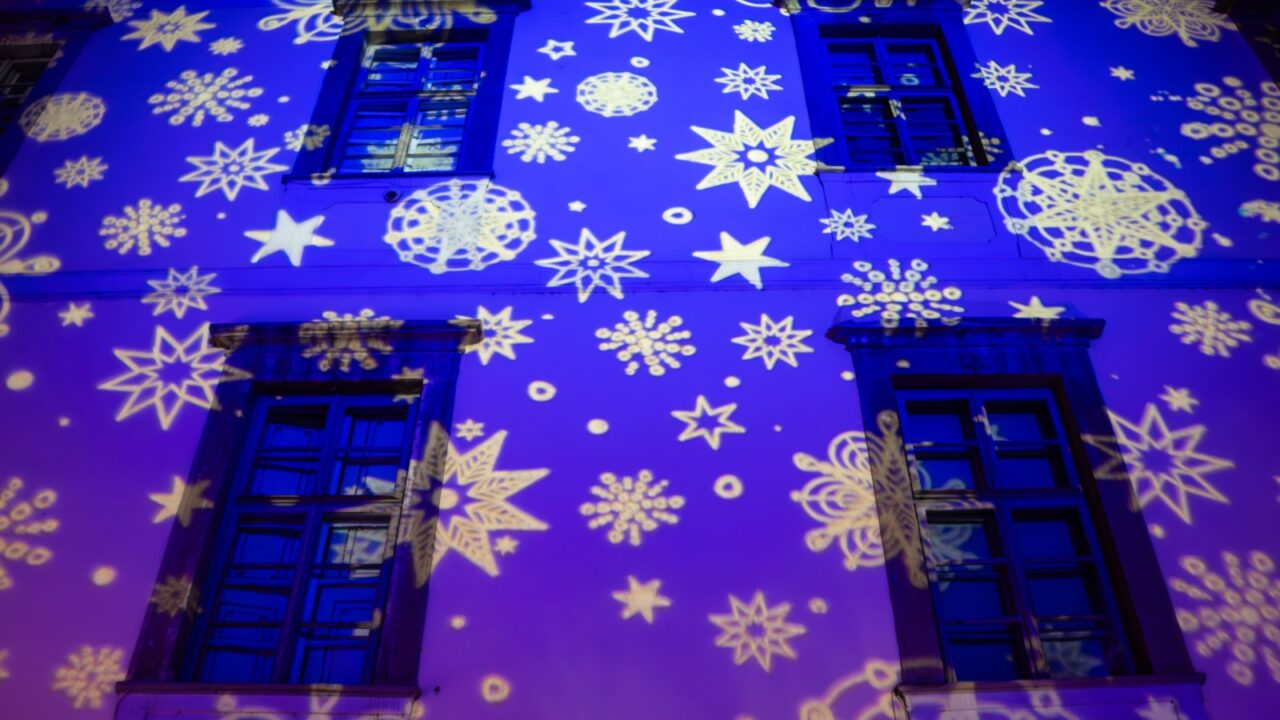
(81, 172)
(1163, 464)
(642, 17)
(463, 498)
(847, 226)
(631, 507)
(231, 169)
(593, 264)
(172, 374)
(1000, 15)
(143, 226)
(197, 96)
(755, 158)
(897, 294)
(1209, 327)
(641, 599)
(748, 82)
(773, 341)
(1239, 119)
(1005, 79)
(707, 422)
(499, 334)
(756, 631)
(168, 29)
(657, 346)
(89, 675)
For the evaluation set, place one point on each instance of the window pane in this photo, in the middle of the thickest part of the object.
(293, 427)
(391, 68)
(965, 597)
(914, 65)
(1018, 421)
(324, 657)
(994, 655)
(366, 429)
(946, 471)
(1028, 469)
(938, 421)
(288, 475)
(267, 545)
(1076, 658)
(237, 665)
(1064, 593)
(365, 477)
(261, 604)
(854, 64)
(954, 539)
(1049, 535)
(346, 544)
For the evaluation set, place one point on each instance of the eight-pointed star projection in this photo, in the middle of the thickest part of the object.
(755, 630)
(462, 498)
(755, 158)
(593, 263)
(641, 17)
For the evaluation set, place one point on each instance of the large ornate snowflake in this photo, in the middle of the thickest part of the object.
(748, 81)
(648, 343)
(346, 339)
(88, 675)
(1190, 20)
(1241, 119)
(230, 169)
(170, 375)
(1209, 327)
(754, 31)
(755, 158)
(460, 225)
(463, 498)
(143, 226)
(641, 17)
(592, 264)
(316, 20)
(1000, 15)
(896, 294)
(168, 29)
(1163, 464)
(61, 116)
(1237, 615)
(773, 341)
(180, 292)
(630, 507)
(1005, 79)
(616, 94)
(196, 96)
(754, 630)
(20, 523)
(499, 334)
(1099, 211)
(15, 233)
(539, 142)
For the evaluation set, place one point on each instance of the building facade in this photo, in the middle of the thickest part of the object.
(639, 359)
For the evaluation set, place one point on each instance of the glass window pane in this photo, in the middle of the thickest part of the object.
(961, 538)
(1076, 658)
(267, 545)
(365, 477)
(365, 429)
(1063, 593)
(938, 421)
(322, 659)
(293, 427)
(996, 655)
(1028, 469)
(237, 665)
(946, 471)
(1049, 535)
(964, 597)
(914, 65)
(287, 475)
(251, 605)
(1020, 421)
(346, 544)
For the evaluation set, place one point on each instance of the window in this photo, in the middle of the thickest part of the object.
(300, 576)
(899, 101)
(1018, 579)
(21, 66)
(411, 107)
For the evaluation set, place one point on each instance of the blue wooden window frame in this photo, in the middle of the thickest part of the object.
(1006, 573)
(966, 99)
(306, 517)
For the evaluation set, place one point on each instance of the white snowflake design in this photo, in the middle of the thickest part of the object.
(226, 46)
(641, 17)
(1240, 119)
(539, 142)
(231, 169)
(460, 225)
(656, 346)
(1004, 79)
(142, 226)
(897, 293)
(1236, 613)
(847, 226)
(753, 31)
(1209, 327)
(616, 94)
(197, 96)
(748, 82)
(755, 158)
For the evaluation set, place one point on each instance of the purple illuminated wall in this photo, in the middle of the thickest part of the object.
(1156, 115)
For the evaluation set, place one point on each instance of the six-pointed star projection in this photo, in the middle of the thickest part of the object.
(641, 598)
(755, 158)
(462, 498)
(695, 422)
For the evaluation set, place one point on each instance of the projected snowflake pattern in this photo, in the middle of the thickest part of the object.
(79, 173)
(1190, 20)
(460, 225)
(196, 96)
(773, 341)
(1000, 15)
(180, 292)
(1210, 328)
(20, 523)
(1099, 211)
(616, 94)
(593, 263)
(1005, 79)
(842, 499)
(656, 346)
(1236, 613)
(756, 631)
(755, 158)
(143, 226)
(499, 334)
(896, 294)
(754, 31)
(61, 116)
(539, 142)
(847, 226)
(232, 169)
(347, 339)
(630, 507)
(88, 675)
(748, 82)
(642, 17)
(1241, 119)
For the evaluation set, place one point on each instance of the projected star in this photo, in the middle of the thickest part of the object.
(1001, 15)
(1162, 464)
(1179, 399)
(181, 501)
(755, 158)
(641, 599)
(168, 29)
(641, 143)
(288, 237)
(171, 375)
(936, 222)
(468, 429)
(909, 180)
(1004, 79)
(75, 314)
(735, 258)
(641, 17)
(499, 334)
(748, 81)
(696, 425)
(1036, 310)
(180, 292)
(773, 342)
(756, 631)
(1122, 73)
(847, 226)
(534, 89)
(556, 49)
(592, 264)
(230, 169)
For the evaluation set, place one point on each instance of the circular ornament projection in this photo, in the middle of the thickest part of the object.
(61, 116)
(1099, 211)
(617, 94)
(460, 225)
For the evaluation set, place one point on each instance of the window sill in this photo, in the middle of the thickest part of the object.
(1096, 698)
(188, 701)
